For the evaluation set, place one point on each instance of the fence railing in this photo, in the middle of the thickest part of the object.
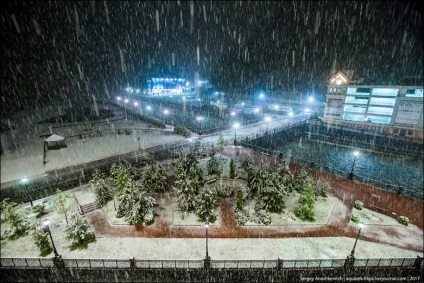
(219, 264)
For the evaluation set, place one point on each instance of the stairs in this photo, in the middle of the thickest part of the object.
(89, 207)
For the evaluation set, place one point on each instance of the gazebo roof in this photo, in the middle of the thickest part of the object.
(54, 137)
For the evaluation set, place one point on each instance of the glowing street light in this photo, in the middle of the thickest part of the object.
(207, 251)
(118, 98)
(46, 225)
(352, 253)
(356, 154)
(311, 99)
(24, 181)
(233, 113)
(267, 119)
(135, 103)
(126, 100)
(261, 95)
(290, 115)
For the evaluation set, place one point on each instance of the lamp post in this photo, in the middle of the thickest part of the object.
(355, 153)
(139, 147)
(235, 126)
(24, 181)
(207, 251)
(46, 225)
(267, 119)
(200, 119)
(290, 115)
(352, 253)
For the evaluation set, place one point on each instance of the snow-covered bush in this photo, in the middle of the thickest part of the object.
(206, 205)
(6, 207)
(261, 217)
(305, 209)
(214, 166)
(101, 189)
(41, 239)
(242, 216)
(321, 188)
(78, 231)
(39, 209)
(355, 218)
(181, 130)
(358, 205)
(403, 220)
(18, 226)
(224, 191)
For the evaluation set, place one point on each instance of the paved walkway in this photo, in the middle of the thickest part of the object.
(406, 237)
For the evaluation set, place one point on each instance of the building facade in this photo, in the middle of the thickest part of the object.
(387, 110)
(166, 86)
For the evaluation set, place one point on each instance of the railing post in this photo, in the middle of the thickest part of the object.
(207, 262)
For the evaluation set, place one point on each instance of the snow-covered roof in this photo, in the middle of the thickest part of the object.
(54, 137)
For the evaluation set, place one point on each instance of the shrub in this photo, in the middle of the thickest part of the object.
(79, 232)
(224, 191)
(40, 210)
(242, 216)
(355, 218)
(403, 220)
(239, 199)
(41, 239)
(358, 205)
(180, 130)
(261, 217)
(18, 226)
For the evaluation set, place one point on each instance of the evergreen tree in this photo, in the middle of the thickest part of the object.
(100, 188)
(232, 169)
(41, 239)
(7, 207)
(321, 188)
(214, 166)
(206, 204)
(78, 231)
(120, 175)
(136, 206)
(18, 225)
(287, 177)
(221, 144)
(61, 201)
(305, 209)
(153, 178)
(273, 194)
(239, 199)
(302, 181)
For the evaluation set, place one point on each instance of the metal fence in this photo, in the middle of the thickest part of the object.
(218, 264)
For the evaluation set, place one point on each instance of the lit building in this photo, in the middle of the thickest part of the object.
(388, 110)
(166, 86)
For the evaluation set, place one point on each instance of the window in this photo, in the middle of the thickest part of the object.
(353, 117)
(380, 110)
(358, 91)
(382, 101)
(355, 108)
(357, 100)
(396, 131)
(410, 132)
(378, 119)
(385, 91)
(414, 92)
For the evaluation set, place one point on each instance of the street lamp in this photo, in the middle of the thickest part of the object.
(356, 154)
(207, 251)
(24, 181)
(235, 126)
(200, 119)
(290, 115)
(46, 225)
(357, 236)
(139, 147)
(267, 119)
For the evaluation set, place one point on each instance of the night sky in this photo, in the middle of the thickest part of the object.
(67, 49)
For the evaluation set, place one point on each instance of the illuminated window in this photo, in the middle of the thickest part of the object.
(357, 100)
(414, 92)
(378, 119)
(338, 82)
(355, 108)
(380, 110)
(353, 117)
(385, 91)
(382, 101)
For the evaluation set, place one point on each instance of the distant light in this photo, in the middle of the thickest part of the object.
(356, 153)
(137, 91)
(256, 110)
(311, 99)
(165, 111)
(190, 139)
(118, 98)
(339, 82)
(267, 119)
(306, 109)
(276, 107)
(24, 180)
(361, 224)
(126, 100)
(135, 103)
(233, 113)
(128, 89)
(198, 99)
(218, 101)
(236, 125)
(149, 108)
(183, 98)
(261, 95)
(206, 224)
(187, 83)
(200, 118)
(242, 103)
(290, 113)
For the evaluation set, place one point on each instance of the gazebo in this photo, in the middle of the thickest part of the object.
(55, 142)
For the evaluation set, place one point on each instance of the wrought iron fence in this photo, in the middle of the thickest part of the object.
(218, 264)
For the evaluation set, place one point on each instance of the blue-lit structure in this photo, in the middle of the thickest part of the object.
(166, 86)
